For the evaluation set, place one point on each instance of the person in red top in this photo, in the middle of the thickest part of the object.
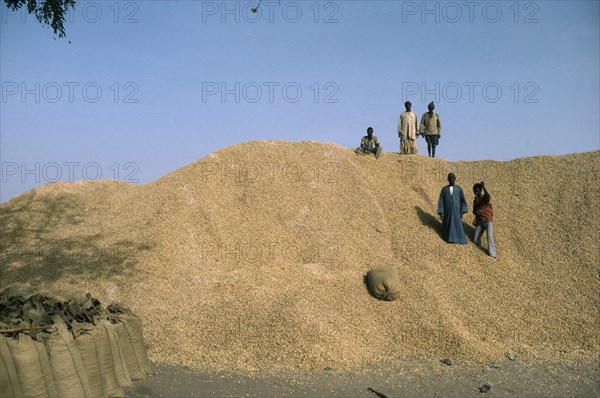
(484, 214)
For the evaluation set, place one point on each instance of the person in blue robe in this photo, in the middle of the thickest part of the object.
(451, 207)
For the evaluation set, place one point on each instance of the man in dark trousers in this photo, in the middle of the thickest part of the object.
(484, 214)
(451, 207)
(431, 129)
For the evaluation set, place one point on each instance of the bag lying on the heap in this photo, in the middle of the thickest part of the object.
(384, 283)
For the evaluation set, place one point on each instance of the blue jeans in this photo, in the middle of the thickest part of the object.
(489, 228)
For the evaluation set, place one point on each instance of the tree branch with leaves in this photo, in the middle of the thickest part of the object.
(48, 12)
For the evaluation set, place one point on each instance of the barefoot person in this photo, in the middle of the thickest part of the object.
(484, 214)
(431, 129)
(451, 207)
(369, 144)
(408, 131)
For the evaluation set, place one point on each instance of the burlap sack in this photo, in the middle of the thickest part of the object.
(134, 329)
(120, 367)
(107, 363)
(126, 339)
(9, 380)
(68, 371)
(33, 367)
(131, 340)
(384, 283)
(97, 357)
(85, 339)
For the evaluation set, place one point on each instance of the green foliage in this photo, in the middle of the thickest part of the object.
(47, 12)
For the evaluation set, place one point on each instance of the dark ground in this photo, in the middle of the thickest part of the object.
(410, 379)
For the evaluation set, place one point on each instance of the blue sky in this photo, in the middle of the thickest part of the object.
(146, 87)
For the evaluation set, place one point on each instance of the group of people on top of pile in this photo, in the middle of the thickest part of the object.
(430, 129)
(451, 203)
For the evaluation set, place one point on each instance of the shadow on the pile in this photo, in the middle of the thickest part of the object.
(469, 230)
(430, 221)
(366, 282)
(33, 249)
(434, 223)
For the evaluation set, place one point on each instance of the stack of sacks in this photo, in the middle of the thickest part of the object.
(68, 349)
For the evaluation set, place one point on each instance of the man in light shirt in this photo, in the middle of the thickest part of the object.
(408, 131)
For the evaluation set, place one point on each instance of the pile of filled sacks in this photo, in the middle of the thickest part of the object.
(73, 348)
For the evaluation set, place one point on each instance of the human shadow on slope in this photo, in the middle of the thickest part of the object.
(421, 192)
(470, 232)
(430, 221)
(469, 229)
(41, 244)
(436, 224)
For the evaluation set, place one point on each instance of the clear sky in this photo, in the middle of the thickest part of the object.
(146, 87)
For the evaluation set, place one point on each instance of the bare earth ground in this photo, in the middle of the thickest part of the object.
(412, 379)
